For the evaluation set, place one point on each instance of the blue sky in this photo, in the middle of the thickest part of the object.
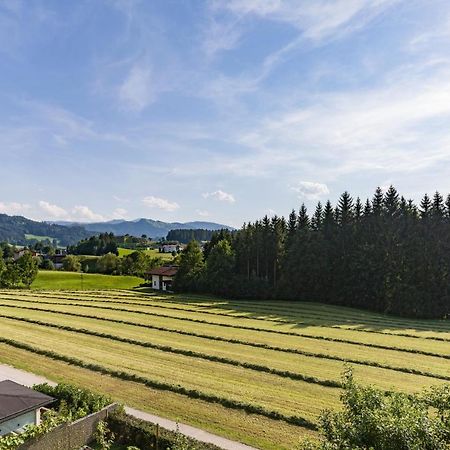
(219, 110)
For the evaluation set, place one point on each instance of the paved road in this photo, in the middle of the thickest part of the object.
(28, 379)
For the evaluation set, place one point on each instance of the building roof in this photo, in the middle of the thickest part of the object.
(167, 271)
(16, 400)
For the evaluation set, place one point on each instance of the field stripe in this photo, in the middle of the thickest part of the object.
(190, 353)
(191, 393)
(242, 327)
(300, 314)
(247, 343)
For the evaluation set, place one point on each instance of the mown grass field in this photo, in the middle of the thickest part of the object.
(257, 372)
(55, 279)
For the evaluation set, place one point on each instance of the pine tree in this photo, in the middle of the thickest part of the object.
(377, 202)
(344, 210)
(316, 221)
(425, 207)
(438, 206)
(390, 201)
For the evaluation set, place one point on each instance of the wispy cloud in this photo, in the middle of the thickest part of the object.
(14, 208)
(136, 92)
(160, 203)
(79, 213)
(310, 190)
(220, 195)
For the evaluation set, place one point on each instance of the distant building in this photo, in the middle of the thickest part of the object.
(169, 247)
(20, 406)
(162, 277)
(23, 251)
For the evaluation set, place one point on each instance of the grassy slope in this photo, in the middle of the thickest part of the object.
(73, 281)
(153, 253)
(213, 318)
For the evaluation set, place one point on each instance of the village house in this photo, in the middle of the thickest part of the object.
(170, 247)
(162, 277)
(20, 406)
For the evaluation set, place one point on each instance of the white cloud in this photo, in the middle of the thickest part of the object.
(54, 211)
(78, 213)
(202, 213)
(136, 92)
(160, 203)
(310, 190)
(220, 196)
(316, 19)
(120, 213)
(85, 214)
(13, 208)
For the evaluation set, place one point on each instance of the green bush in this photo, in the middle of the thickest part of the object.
(375, 420)
(131, 431)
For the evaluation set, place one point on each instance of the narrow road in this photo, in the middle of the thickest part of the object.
(28, 379)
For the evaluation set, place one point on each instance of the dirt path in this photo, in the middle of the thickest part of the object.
(28, 379)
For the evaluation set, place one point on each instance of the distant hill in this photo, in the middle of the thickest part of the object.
(149, 227)
(16, 229)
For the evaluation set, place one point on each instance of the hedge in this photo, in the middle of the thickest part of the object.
(129, 431)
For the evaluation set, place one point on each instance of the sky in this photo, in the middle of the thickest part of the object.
(224, 111)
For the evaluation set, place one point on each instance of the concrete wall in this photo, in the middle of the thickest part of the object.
(70, 436)
(18, 423)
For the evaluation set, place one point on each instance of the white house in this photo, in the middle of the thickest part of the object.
(162, 277)
(20, 406)
(169, 248)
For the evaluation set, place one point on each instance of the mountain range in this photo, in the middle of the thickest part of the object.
(149, 227)
(19, 230)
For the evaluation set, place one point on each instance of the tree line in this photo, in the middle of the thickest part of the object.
(385, 254)
(185, 236)
(97, 245)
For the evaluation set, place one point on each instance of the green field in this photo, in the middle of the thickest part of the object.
(152, 252)
(49, 279)
(258, 372)
(38, 238)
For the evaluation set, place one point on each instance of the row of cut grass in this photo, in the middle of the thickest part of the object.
(403, 362)
(231, 323)
(251, 429)
(308, 368)
(237, 385)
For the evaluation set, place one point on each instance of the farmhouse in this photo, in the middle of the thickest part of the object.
(20, 406)
(170, 247)
(162, 277)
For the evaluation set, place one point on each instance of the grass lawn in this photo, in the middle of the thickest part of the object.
(188, 352)
(48, 279)
(154, 253)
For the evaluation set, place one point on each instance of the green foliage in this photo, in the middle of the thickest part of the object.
(375, 420)
(18, 273)
(108, 264)
(103, 436)
(185, 236)
(79, 401)
(71, 263)
(141, 434)
(388, 256)
(139, 263)
(191, 268)
(28, 269)
(220, 267)
(96, 245)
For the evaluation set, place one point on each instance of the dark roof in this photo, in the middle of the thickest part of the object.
(167, 271)
(16, 400)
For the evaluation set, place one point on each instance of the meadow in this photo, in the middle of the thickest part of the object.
(56, 279)
(154, 253)
(257, 372)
